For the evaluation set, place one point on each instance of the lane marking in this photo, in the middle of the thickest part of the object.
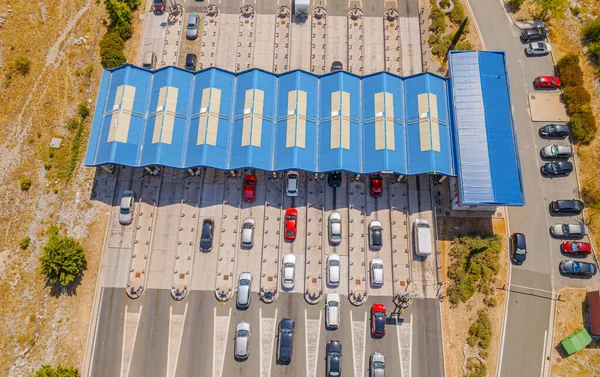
(544, 353)
(270, 327)
(220, 335)
(404, 337)
(312, 340)
(410, 346)
(179, 322)
(131, 318)
(358, 342)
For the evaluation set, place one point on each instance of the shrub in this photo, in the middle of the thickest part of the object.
(83, 110)
(569, 71)
(113, 59)
(481, 331)
(25, 184)
(592, 30)
(457, 15)
(59, 371)
(594, 49)
(577, 99)
(22, 65)
(517, 3)
(433, 39)
(24, 243)
(464, 45)
(438, 21)
(47, 165)
(583, 127)
(63, 258)
(576, 11)
(440, 49)
(111, 42)
(73, 124)
(124, 30)
(476, 368)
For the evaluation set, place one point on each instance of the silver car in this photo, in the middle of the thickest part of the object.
(247, 237)
(377, 272)
(568, 230)
(335, 228)
(333, 270)
(244, 286)
(291, 183)
(289, 271)
(242, 340)
(377, 365)
(126, 208)
(191, 32)
(538, 48)
(557, 151)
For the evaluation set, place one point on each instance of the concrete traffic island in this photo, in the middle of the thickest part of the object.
(357, 298)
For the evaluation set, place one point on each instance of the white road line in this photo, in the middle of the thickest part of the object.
(179, 323)
(267, 338)
(410, 345)
(126, 362)
(544, 353)
(398, 326)
(476, 25)
(312, 334)
(358, 343)
(404, 338)
(220, 335)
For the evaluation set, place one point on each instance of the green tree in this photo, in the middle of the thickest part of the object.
(556, 7)
(132, 4)
(118, 12)
(577, 99)
(25, 184)
(458, 34)
(592, 30)
(63, 258)
(516, 3)
(457, 14)
(24, 243)
(60, 371)
(113, 59)
(111, 42)
(583, 127)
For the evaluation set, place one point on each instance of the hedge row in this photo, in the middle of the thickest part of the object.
(577, 99)
(120, 14)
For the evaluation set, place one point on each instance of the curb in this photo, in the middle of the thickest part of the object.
(506, 298)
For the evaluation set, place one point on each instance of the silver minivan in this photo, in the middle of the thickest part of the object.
(332, 310)
(242, 340)
(247, 233)
(335, 228)
(244, 287)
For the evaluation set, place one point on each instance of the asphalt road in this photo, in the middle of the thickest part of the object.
(182, 338)
(529, 310)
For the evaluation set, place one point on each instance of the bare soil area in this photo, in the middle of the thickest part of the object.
(456, 321)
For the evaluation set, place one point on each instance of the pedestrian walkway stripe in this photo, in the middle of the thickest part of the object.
(221, 334)
(359, 334)
(130, 327)
(312, 329)
(176, 323)
(404, 336)
(267, 338)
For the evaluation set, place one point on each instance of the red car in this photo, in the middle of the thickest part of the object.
(378, 320)
(376, 185)
(159, 6)
(574, 247)
(249, 189)
(291, 223)
(546, 82)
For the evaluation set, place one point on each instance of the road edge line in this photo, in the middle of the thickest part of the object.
(476, 25)
(506, 299)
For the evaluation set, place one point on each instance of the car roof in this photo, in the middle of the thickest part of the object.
(243, 326)
(520, 240)
(289, 258)
(375, 223)
(335, 216)
(291, 211)
(334, 346)
(190, 58)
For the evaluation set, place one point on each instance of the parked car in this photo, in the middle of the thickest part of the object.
(249, 192)
(126, 207)
(289, 271)
(332, 310)
(538, 48)
(149, 61)
(376, 185)
(191, 31)
(334, 358)
(375, 235)
(568, 230)
(567, 206)
(244, 287)
(291, 183)
(376, 267)
(576, 247)
(336, 66)
(242, 340)
(247, 238)
(554, 130)
(556, 151)
(291, 223)
(378, 320)
(518, 248)
(190, 62)
(334, 179)
(376, 365)
(546, 82)
(206, 237)
(577, 268)
(335, 228)
(333, 270)
(534, 34)
(555, 168)
(158, 6)
(285, 340)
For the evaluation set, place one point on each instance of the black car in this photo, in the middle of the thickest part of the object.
(334, 358)
(577, 268)
(190, 62)
(336, 66)
(518, 248)
(554, 130)
(567, 206)
(334, 179)
(285, 340)
(535, 34)
(557, 168)
(206, 239)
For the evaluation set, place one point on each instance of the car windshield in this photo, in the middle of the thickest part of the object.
(376, 237)
(288, 281)
(554, 149)
(286, 330)
(250, 182)
(333, 303)
(378, 365)
(334, 262)
(575, 246)
(242, 333)
(124, 211)
(286, 265)
(292, 176)
(290, 233)
(158, 2)
(540, 45)
(290, 217)
(377, 266)
(565, 228)
(248, 226)
(244, 282)
(192, 23)
(576, 267)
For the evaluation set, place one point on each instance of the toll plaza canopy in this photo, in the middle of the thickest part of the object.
(275, 122)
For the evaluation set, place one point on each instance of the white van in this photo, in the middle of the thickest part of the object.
(332, 310)
(422, 234)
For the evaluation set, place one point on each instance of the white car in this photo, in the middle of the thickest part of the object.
(377, 367)
(291, 183)
(377, 272)
(242, 340)
(289, 271)
(538, 48)
(244, 286)
(332, 310)
(126, 208)
(333, 270)
(335, 228)
(247, 238)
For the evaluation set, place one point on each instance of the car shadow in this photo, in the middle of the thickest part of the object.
(574, 256)
(572, 276)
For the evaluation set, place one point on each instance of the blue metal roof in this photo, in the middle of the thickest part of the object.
(485, 141)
